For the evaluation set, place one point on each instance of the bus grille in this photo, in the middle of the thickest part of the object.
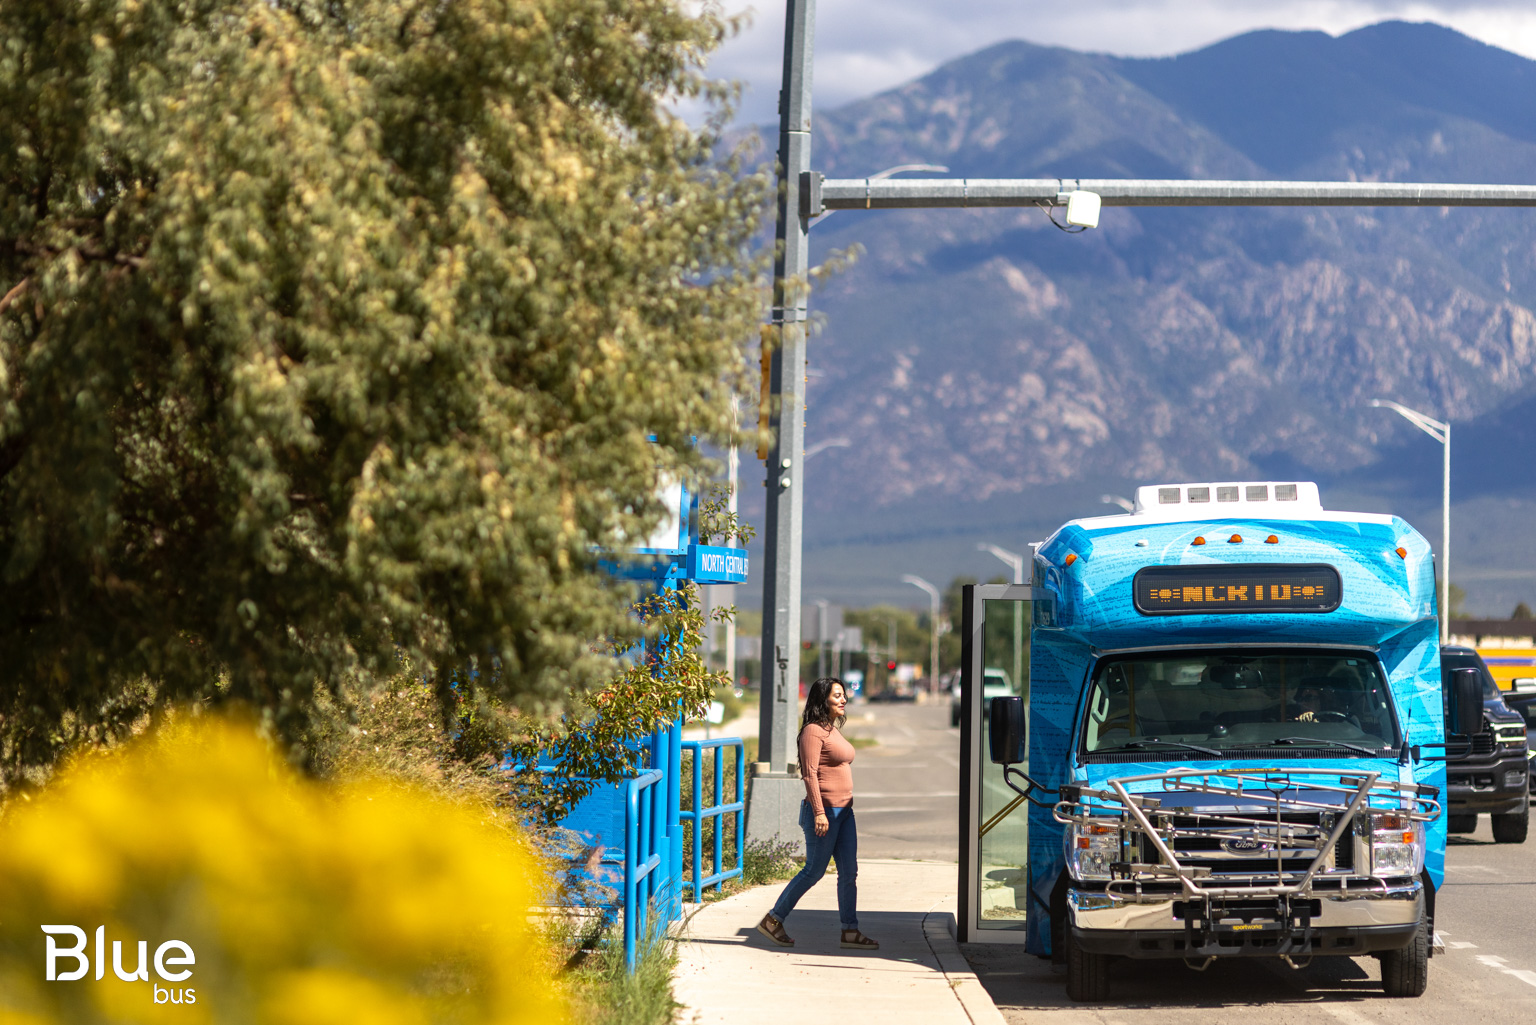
(1202, 841)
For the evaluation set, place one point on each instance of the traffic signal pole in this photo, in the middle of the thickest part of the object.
(776, 792)
(803, 195)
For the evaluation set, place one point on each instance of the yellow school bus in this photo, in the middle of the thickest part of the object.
(1510, 664)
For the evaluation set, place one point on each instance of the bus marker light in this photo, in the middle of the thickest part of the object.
(1070, 559)
(1235, 539)
(1402, 553)
(1198, 541)
(1271, 540)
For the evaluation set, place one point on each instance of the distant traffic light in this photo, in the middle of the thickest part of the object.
(890, 666)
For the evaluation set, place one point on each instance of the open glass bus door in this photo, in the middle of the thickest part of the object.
(994, 820)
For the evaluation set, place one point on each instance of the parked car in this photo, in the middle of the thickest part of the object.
(994, 684)
(1493, 775)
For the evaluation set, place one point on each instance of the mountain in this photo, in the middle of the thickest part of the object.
(995, 376)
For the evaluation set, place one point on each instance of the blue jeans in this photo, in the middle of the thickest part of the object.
(842, 843)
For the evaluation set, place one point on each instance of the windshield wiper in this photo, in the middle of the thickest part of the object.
(1165, 743)
(1315, 742)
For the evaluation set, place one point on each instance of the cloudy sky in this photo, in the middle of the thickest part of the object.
(865, 46)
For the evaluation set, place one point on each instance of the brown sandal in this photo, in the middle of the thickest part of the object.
(774, 929)
(855, 940)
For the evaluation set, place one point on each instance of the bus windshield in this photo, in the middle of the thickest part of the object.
(1227, 704)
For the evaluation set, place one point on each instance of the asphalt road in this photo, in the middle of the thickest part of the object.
(906, 788)
(1488, 974)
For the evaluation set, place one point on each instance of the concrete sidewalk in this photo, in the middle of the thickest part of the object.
(728, 972)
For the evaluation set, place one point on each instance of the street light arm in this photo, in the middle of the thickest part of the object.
(822, 446)
(933, 622)
(1014, 560)
(880, 176)
(1441, 432)
(915, 581)
(1436, 429)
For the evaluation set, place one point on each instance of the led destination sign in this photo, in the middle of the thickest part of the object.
(1266, 587)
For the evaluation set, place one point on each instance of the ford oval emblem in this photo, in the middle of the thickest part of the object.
(1245, 845)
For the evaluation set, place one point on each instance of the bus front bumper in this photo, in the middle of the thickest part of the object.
(1347, 923)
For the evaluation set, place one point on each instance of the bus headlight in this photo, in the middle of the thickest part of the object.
(1091, 848)
(1397, 844)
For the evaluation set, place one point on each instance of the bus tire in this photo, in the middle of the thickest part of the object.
(1511, 828)
(1405, 973)
(1087, 973)
(1461, 823)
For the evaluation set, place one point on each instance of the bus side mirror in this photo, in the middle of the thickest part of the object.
(1005, 730)
(1466, 702)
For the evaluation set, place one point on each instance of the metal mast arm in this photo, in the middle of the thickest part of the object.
(823, 194)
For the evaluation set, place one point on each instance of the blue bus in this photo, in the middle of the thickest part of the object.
(1229, 741)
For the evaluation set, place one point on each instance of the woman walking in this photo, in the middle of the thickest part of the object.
(826, 816)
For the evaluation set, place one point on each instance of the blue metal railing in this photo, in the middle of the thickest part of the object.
(651, 894)
(647, 848)
(718, 810)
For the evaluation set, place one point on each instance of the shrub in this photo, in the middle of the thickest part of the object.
(768, 860)
(302, 902)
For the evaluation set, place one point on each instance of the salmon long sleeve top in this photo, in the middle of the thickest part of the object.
(826, 766)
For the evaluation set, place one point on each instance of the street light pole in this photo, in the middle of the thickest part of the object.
(734, 464)
(890, 626)
(933, 621)
(1441, 432)
(1015, 560)
(821, 637)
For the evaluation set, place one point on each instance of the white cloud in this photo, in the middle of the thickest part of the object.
(865, 46)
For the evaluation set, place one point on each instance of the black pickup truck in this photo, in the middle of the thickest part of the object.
(1491, 776)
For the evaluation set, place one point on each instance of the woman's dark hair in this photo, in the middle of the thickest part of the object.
(818, 709)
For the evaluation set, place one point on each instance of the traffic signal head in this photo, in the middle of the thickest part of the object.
(890, 666)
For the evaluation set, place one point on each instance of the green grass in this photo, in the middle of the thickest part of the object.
(862, 742)
(604, 993)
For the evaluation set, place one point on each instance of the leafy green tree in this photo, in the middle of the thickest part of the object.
(336, 331)
(597, 740)
(1458, 602)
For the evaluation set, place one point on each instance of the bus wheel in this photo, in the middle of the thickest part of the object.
(1511, 828)
(1461, 823)
(1087, 973)
(1405, 973)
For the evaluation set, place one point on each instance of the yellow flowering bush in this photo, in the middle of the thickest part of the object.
(301, 903)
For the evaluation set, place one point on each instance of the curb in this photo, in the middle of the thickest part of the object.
(939, 931)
